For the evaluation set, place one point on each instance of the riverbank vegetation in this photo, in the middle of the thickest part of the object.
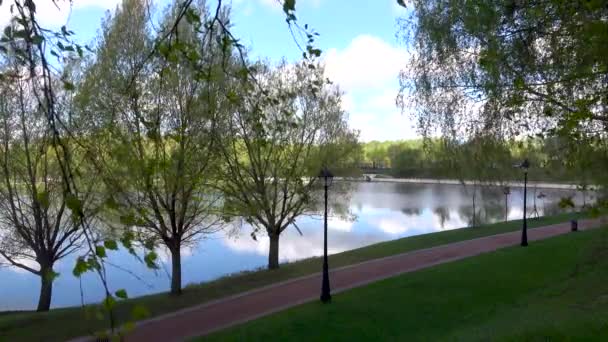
(57, 325)
(156, 140)
(552, 159)
(165, 129)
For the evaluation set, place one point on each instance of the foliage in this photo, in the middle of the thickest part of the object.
(273, 143)
(552, 159)
(510, 69)
(140, 115)
(154, 115)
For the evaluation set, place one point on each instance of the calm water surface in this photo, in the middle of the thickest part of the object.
(377, 212)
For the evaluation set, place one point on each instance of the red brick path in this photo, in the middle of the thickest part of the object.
(216, 315)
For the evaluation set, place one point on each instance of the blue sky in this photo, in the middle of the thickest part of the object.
(361, 52)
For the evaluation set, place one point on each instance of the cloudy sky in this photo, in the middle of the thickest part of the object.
(360, 49)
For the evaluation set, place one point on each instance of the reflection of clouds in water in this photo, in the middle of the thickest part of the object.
(373, 225)
(339, 224)
(383, 211)
(392, 227)
(293, 247)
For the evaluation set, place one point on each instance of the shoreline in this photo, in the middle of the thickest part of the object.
(514, 184)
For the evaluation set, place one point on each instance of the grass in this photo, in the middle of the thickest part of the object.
(59, 324)
(553, 290)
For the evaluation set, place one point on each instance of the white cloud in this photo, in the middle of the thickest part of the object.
(367, 71)
(379, 125)
(275, 5)
(340, 225)
(378, 118)
(368, 62)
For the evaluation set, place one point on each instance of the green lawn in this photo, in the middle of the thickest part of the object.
(60, 324)
(556, 289)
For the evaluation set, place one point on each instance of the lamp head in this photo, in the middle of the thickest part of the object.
(326, 176)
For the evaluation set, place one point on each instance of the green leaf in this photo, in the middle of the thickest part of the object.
(80, 268)
(150, 260)
(566, 202)
(36, 40)
(100, 251)
(109, 303)
(127, 239)
(164, 49)
(111, 245)
(128, 327)
(43, 199)
(315, 52)
(519, 83)
(128, 219)
(51, 275)
(111, 203)
(139, 312)
(121, 294)
(69, 86)
(73, 203)
(289, 6)
(149, 244)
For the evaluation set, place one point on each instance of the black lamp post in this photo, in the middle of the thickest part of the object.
(525, 165)
(327, 178)
(507, 191)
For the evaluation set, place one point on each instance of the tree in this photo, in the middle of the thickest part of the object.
(154, 117)
(274, 142)
(527, 65)
(484, 160)
(510, 68)
(37, 224)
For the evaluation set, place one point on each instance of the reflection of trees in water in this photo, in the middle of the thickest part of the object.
(466, 214)
(409, 188)
(493, 212)
(443, 214)
(491, 194)
(340, 196)
(411, 211)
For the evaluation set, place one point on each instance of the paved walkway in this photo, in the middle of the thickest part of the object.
(216, 315)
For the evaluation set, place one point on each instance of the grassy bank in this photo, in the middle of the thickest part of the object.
(60, 324)
(553, 290)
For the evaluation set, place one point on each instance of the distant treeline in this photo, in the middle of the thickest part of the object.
(485, 158)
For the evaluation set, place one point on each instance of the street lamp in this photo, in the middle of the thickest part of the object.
(525, 165)
(507, 191)
(327, 178)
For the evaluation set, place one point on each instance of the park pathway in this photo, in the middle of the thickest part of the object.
(226, 312)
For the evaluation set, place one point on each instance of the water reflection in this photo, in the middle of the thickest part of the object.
(374, 212)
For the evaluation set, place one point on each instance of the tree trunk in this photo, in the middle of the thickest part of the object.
(46, 289)
(176, 270)
(273, 252)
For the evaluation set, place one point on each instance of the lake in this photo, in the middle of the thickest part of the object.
(377, 212)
